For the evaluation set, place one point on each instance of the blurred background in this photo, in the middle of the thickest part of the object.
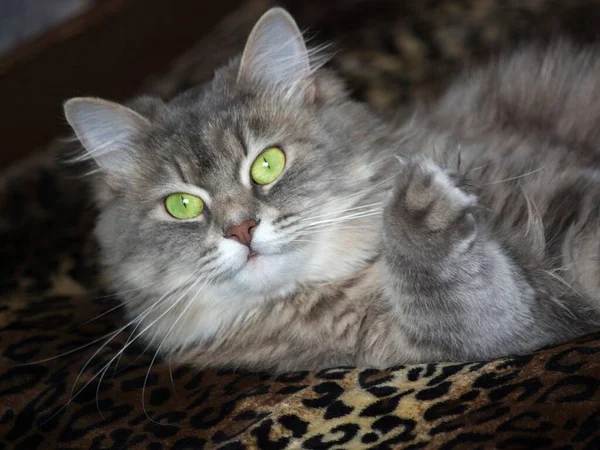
(21, 20)
(51, 50)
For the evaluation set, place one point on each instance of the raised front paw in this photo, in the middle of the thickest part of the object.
(428, 215)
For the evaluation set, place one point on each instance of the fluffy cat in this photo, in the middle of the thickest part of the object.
(266, 220)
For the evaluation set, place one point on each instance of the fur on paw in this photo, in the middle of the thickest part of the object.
(427, 213)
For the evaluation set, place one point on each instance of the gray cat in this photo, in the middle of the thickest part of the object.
(266, 220)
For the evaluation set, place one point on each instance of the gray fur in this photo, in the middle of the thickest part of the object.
(469, 232)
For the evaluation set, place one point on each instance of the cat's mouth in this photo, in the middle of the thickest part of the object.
(253, 255)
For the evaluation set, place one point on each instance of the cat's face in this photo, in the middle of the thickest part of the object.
(250, 184)
(209, 154)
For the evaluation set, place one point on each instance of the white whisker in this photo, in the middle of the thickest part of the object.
(341, 211)
(358, 215)
(512, 178)
(156, 353)
(114, 334)
(488, 164)
(333, 228)
(120, 352)
(114, 308)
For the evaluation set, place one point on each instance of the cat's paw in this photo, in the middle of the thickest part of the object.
(428, 215)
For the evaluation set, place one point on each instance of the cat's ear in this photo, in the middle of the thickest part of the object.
(108, 131)
(275, 53)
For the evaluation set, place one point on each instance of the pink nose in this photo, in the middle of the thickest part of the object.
(242, 232)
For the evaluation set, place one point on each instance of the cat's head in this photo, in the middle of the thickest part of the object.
(247, 182)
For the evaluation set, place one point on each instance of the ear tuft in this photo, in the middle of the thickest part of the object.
(108, 131)
(275, 53)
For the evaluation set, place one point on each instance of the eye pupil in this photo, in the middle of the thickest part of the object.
(268, 166)
(184, 206)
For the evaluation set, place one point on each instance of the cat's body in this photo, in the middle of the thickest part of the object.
(488, 245)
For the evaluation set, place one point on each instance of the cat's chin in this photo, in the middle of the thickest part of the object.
(265, 274)
(257, 264)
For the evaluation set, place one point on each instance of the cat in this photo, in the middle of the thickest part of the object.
(268, 221)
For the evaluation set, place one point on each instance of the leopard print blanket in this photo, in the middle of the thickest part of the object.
(55, 318)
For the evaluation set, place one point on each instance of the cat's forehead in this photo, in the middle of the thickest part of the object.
(214, 119)
(203, 145)
(235, 124)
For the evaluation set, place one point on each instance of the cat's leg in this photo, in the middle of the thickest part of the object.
(456, 292)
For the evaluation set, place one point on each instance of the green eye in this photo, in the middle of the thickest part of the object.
(184, 206)
(267, 167)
